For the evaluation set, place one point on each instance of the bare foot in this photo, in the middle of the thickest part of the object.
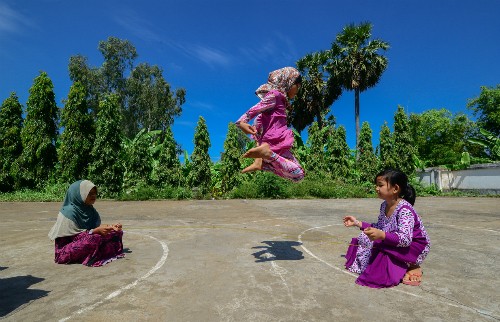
(262, 151)
(413, 276)
(256, 165)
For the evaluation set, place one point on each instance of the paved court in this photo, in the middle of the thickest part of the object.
(248, 260)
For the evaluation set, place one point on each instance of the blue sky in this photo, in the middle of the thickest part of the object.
(442, 51)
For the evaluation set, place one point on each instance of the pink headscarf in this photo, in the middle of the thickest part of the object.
(280, 79)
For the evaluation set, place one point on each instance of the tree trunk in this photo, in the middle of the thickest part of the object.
(356, 116)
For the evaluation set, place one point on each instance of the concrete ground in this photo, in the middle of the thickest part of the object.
(248, 260)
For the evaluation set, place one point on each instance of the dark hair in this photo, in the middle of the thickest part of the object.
(298, 80)
(396, 177)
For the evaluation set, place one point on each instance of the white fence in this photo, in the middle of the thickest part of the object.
(484, 178)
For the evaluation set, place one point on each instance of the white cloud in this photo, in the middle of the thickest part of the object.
(11, 21)
(138, 27)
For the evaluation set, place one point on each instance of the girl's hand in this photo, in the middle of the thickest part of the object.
(247, 128)
(374, 233)
(117, 227)
(350, 221)
(103, 230)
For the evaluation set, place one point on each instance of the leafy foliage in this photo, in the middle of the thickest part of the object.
(167, 169)
(404, 143)
(387, 158)
(366, 161)
(39, 135)
(106, 171)
(78, 136)
(200, 174)
(358, 65)
(338, 154)
(10, 139)
(487, 108)
(230, 165)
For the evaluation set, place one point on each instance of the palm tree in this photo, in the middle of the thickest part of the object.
(318, 91)
(357, 62)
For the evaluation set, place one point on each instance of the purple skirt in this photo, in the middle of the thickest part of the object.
(89, 249)
(387, 265)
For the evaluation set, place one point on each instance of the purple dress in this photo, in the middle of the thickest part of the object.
(383, 263)
(271, 123)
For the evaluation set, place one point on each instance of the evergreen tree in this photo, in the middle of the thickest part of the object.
(11, 121)
(39, 135)
(106, 169)
(338, 154)
(234, 147)
(200, 175)
(167, 168)
(316, 140)
(386, 145)
(366, 162)
(78, 135)
(404, 146)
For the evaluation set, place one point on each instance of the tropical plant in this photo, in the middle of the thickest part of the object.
(358, 63)
(488, 141)
(317, 93)
(138, 159)
(11, 122)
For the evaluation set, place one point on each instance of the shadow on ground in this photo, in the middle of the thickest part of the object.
(15, 293)
(278, 250)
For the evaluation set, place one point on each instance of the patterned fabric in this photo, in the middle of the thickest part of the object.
(272, 128)
(89, 249)
(407, 242)
(281, 80)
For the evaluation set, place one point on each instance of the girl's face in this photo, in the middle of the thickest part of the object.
(386, 191)
(92, 196)
(293, 91)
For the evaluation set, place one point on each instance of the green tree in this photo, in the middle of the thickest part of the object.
(167, 168)
(316, 140)
(106, 169)
(234, 147)
(487, 108)
(404, 143)
(78, 136)
(138, 160)
(119, 56)
(319, 89)
(440, 137)
(39, 135)
(338, 154)
(90, 78)
(386, 148)
(11, 122)
(200, 175)
(358, 64)
(366, 161)
(151, 103)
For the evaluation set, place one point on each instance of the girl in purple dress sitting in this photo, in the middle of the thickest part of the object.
(270, 130)
(391, 250)
(78, 234)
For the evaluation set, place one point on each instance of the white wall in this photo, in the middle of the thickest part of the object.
(481, 177)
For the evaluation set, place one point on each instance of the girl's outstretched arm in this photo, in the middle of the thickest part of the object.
(350, 221)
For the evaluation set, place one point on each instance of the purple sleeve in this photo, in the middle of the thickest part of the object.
(267, 103)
